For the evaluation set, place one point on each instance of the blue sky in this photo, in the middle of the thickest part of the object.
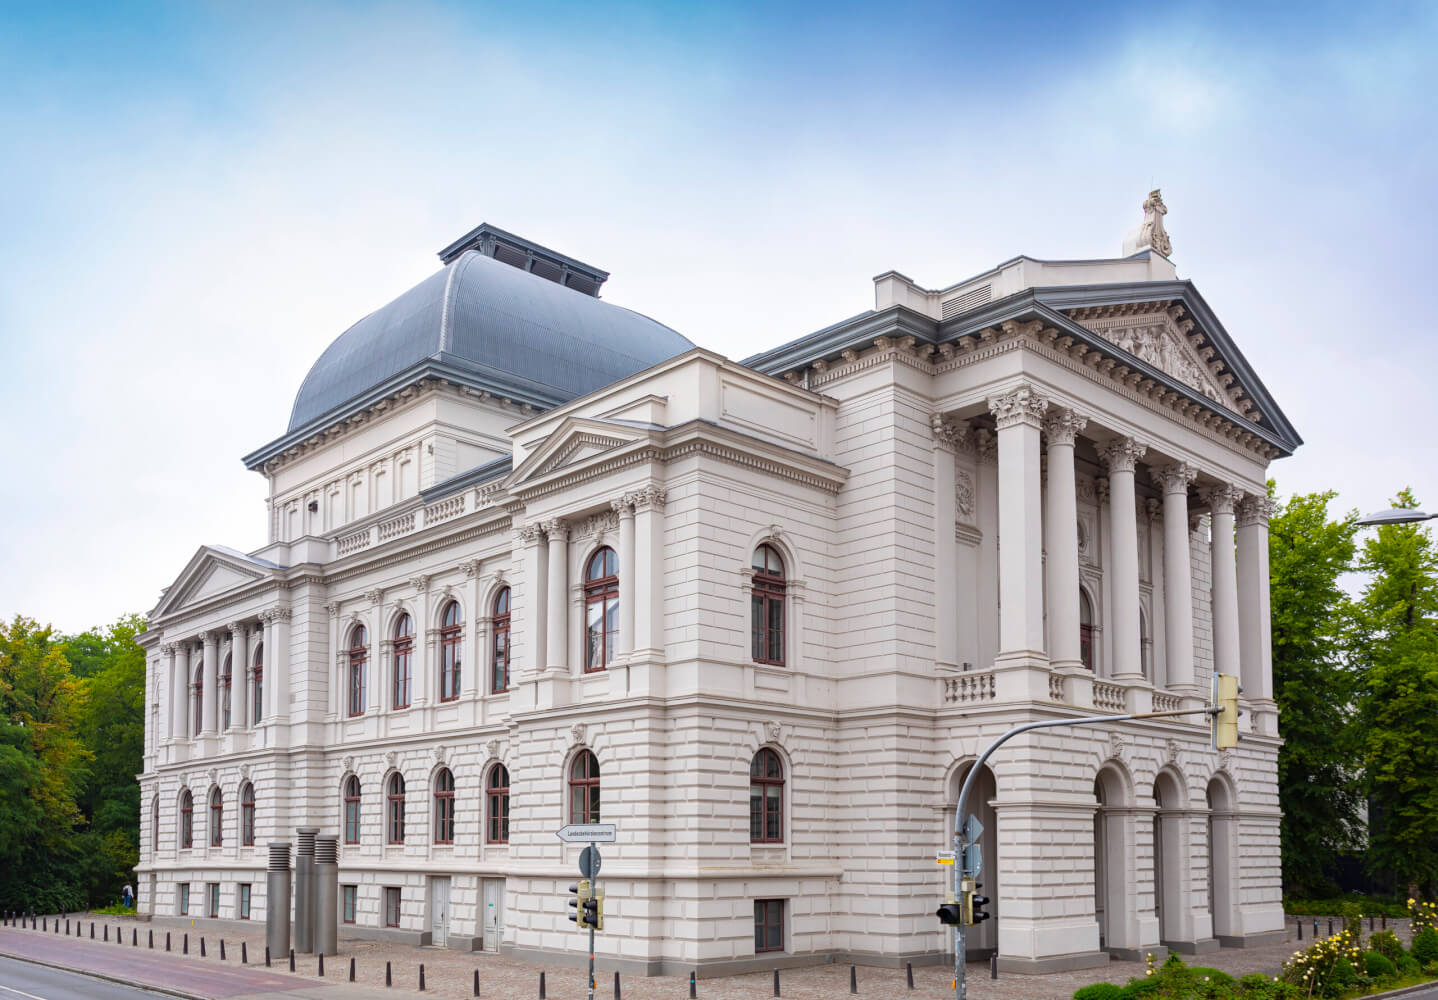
(195, 199)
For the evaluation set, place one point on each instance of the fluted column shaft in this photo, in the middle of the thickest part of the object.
(946, 557)
(239, 676)
(1255, 636)
(557, 620)
(1122, 456)
(1021, 628)
(1223, 501)
(209, 713)
(1177, 576)
(626, 575)
(1061, 527)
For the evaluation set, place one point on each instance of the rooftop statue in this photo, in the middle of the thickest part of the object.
(1150, 232)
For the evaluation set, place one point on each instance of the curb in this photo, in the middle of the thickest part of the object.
(167, 991)
(1431, 984)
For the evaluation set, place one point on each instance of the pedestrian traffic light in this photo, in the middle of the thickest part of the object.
(950, 911)
(594, 910)
(1224, 726)
(580, 902)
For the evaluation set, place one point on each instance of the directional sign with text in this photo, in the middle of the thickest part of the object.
(587, 833)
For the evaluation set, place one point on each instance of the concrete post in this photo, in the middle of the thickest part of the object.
(277, 900)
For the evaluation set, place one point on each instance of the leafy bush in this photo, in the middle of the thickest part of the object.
(1099, 991)
(1425, 946)
(1377, 965)
(1257, 986)
(1422, 916)
(1139, 988)
(1430, 969)
(1324, 969)
(1407, 965)
(1386, 943)
(1333, 906)
(116, 910)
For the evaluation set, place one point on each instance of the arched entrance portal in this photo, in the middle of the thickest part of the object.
(1222, 830)
(983, 940)
(1169, 863)
(1116, 930)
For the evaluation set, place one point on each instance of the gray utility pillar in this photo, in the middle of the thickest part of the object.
(327, 894)
(277, 900)
(305, 889)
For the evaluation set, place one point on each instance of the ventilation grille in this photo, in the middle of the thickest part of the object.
(971, 299)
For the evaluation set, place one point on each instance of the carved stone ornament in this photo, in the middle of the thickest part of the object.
(1122, 454)
(374, 596)
(556, 529)
(389, 758)
(168, 648)
(1175, 478)
(333, 607)
(650, 497)
(1064, 426)
(1222, 499)
(349, 763)
(984, 443)
(1118, 747)
(420, 583)
(597, 524)
(439, 753)
(213, 774)
(1225, 761)
(1255, 510)
(244, 772)
(1171, 751)
(527, 533)
(949, 434)
(577, 735)
(471, 568)
(1100, 489)
(1150, 232)
(1021, 406)
(964, 496)
(772, 731)
(1153, 507)
(493, 748)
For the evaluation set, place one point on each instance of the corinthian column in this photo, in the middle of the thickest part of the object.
(1255, 638)
(1061, 523)
(947, 436)
(1018, 415)
(239, 675)
(179, 688)
(1122, 455)
(528, 602)
(625, 510)
(1222, 501)
(1177, 575)
(557, 633)
(212, 682)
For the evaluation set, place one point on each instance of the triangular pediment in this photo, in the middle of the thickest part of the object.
(576, 442)
(210, 572)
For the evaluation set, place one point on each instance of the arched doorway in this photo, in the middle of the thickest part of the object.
(1222, 856)
(1169, 862)
(983, 940)
(1112, 911)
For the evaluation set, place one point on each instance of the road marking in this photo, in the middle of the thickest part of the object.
(20, 993)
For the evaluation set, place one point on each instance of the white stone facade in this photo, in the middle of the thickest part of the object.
(941, 483)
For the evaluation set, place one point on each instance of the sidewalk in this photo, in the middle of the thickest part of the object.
(449, 974)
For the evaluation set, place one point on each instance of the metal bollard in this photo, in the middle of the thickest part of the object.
(693, 989)
(202, 946)
(909, 973)
(853, 979)
(134, 937)
(1370, 923)
(92, 930)
(167, 940)
(152, 939)
(476, 981)
(105, 932)
(352, 969)
(185, 944)
(387, 980)
(222, 949)
(541, 985)
(421, 977)
(292, 960)
(1300, 928)
(617, 994)
(322, 965)
(267, 956)
(776, 982)
(1383, 921)
(45, 924)
(244, 954)
(994, 966)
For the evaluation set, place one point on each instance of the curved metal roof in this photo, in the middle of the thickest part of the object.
(513, 330)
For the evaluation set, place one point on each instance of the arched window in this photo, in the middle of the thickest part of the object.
(359, 656)
(601, 609)
(403, 657)
(226, 682)
(444, 806)
(396, 809)
(352, 810)
(584, 788)
(259, 682)
(199, 691)
(499, 676)
(247, 815)
(217, 810)
(451, 646)
(1085, 629)
(498, 788)
(187, 819)
(766, 798)
(155, 824)
(767, 607)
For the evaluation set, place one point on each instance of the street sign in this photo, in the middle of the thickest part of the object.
(945, 858)
(587, 833)
(973, 860)
(972, 829)
(589, 860)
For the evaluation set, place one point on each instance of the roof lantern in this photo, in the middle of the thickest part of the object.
(516, 251)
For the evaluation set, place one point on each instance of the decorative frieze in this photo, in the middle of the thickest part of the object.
(1021, 406)
(964, 496)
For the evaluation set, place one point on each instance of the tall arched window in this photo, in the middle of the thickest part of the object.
(359, 656)
(199, 692)
(451, 647)
(767, 607)
(498, 788)
(352, 810)
(601, 609)
(155, 824)
(259, 682)
(1085, 629)
(247, 815)
(766, 798)
(226, 683)
(187, 819)
(499, 675)
(217, 811)
(395, 805)
(444, 806)
(403, 659)
(584, 788)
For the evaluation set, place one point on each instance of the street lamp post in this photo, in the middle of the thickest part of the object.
(1394, 515)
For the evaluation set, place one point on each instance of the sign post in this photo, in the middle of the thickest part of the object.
(592, 834)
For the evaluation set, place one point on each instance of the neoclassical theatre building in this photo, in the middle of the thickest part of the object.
(537, 559)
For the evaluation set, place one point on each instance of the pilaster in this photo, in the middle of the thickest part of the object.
(1019, 415)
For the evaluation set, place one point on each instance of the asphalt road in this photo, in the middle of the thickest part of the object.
(25, 981)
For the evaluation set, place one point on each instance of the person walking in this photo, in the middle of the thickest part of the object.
(127, 895)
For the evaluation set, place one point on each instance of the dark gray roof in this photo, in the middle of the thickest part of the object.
(495, 468)
(514, 333)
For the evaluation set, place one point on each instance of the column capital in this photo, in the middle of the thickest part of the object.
(624, 507)
(984, 443)
(210, 637)
(1255, 510)
(278, 613)
(1022, 405)
(333, 607)
(1175, 478)
(420, 583)
(1063, 426)
(556, 529)
(236, 628)
(471, 568)
(1122, 454)
(1222, 499)
(950, 435)
(528, 533)
(649, 497)
(169, 648)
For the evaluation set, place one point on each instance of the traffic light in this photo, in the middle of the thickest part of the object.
(580, 902)
(594, 910)
(977, 904)
(1225, 723)
(950, 911)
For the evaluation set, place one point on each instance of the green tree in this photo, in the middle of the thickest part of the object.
(1314, 686)
(1399, 646)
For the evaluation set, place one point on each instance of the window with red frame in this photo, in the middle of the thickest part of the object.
(352, 810)
(451, 648)
(395, 805)
(584, 788)
(217, 814)
(247, 815)
(391, 907)
(766, 798)
(498, 804)
(358, 656)
(259, 682)
(187, 820)
(601, 609)
(767, 607)
(403, 659)
(768, 925)
(499, 651)
(444, 806)
(1085, 630)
